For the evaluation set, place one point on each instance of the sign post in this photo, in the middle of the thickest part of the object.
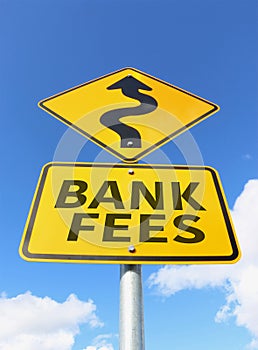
(129, 214)
(131, 323)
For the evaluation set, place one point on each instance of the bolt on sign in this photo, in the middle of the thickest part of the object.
(104, 213)
(128, 113)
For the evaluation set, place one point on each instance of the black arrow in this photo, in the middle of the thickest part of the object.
(129, 85)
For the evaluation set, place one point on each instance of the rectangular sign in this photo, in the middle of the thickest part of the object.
(120, 213)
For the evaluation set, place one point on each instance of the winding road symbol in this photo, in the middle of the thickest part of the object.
(130, 86)
(128, 113)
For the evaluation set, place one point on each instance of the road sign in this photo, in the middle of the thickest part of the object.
(129, 113)
(104, 213)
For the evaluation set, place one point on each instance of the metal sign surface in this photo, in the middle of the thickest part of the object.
(128, 113)
(104, 213)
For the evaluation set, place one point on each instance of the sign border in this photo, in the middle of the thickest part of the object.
(24, 252)
(152, 147)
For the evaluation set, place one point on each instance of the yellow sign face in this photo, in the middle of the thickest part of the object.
(104, 213)
(128, 113)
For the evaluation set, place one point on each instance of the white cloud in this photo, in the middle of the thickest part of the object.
(101, 342)
(239, 280)
(29, 322)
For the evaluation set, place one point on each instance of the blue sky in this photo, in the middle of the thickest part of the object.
(206, 47)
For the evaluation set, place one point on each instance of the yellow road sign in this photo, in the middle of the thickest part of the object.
(129, 113)
(104, 213)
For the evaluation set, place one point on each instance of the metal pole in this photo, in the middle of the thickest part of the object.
(131, 333)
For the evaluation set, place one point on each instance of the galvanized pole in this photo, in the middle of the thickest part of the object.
(131, 333)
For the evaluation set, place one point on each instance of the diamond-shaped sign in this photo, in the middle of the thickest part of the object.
(129, 113)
